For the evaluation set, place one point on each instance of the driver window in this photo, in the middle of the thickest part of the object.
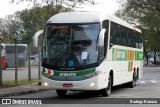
(106, 26)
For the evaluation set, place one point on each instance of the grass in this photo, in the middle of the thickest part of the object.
(11, 83)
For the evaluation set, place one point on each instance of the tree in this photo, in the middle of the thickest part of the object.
(35, 19)
(147, 15)
(52, 3)
(25, 23)
(3, 30)
(9, 27)
(143, 4)
(15, 27)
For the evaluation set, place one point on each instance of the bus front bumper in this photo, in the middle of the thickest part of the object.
(88, 84)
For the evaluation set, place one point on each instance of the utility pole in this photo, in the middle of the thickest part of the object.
(1, 80)
(29, 63)
(16, 74)
(39, 65)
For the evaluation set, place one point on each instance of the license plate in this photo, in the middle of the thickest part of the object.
(67, 85)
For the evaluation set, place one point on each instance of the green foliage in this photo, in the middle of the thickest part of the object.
(11, 83)
(66, 3)
(146, 14)
(35, 19)
(23, 24)
(11, 28)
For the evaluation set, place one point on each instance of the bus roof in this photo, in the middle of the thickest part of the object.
(88, 17)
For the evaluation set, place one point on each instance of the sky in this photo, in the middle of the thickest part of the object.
(108, 6)
(7, 8)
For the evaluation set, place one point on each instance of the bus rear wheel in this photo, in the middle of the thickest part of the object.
(107, 91)
(132, 84)
(61, 93)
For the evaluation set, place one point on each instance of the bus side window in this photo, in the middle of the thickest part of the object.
(105, 24)
(137, 40)
(120, 35)
(130, 38)
(125, 36)
(139, 35)
(105, 42)
(133, 39)
(113, 38)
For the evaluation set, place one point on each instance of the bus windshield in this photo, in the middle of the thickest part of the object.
(70, 45)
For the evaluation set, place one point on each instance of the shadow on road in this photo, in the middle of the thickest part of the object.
(87, 94)
(85, 97)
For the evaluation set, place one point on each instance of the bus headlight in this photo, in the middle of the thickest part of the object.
(91, 84)
(45, 84)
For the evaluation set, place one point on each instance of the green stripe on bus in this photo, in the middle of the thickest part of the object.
(113, 54)
(123, 55)
(131, 55)
(119, 54)
(139, 55)
(78, 73)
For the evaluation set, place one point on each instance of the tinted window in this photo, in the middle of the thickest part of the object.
(11, 49)
(123, 36)
(105, 25)
(71, 45)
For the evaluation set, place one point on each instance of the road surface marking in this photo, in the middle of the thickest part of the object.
(153, 81)
(142, 82)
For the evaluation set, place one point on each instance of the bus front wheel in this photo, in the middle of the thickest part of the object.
(107, 91)
(61, 93)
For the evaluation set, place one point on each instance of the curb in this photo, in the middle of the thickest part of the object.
(151, 66)
(21, 92)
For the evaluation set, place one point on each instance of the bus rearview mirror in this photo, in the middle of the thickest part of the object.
(35, 38)
(110, 45)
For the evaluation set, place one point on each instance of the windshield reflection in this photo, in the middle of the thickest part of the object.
(70, 45)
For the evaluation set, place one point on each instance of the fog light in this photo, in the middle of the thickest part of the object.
(91, 84)
(45, 84)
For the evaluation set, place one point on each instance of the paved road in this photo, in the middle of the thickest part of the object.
(9, 73)
(147, 87)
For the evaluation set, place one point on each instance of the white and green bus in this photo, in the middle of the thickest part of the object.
(90, 51)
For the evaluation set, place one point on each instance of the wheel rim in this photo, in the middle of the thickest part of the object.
(134, 80)
(109, 85)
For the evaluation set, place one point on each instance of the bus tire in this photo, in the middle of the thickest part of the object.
(132, 84)
(61, 93)
(6, 65)
(107, 91)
